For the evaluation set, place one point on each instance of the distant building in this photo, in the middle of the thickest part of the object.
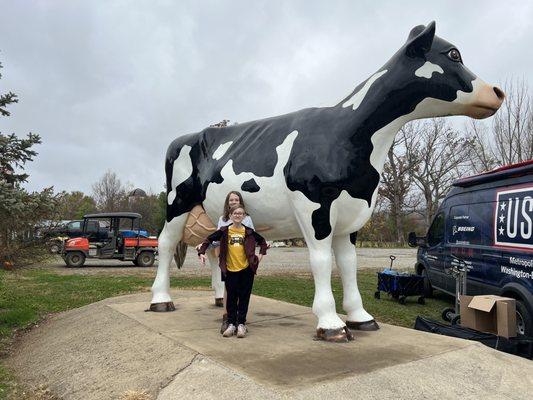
(137, 193)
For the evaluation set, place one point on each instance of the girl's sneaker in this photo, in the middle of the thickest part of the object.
(225, 324)
(241, 331)
(230, 331)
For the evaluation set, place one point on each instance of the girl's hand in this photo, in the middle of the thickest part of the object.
(202, 258)
(198, 247)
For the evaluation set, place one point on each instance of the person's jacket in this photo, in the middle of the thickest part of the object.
(251, 240)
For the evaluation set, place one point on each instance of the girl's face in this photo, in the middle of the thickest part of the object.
(237, 216)
(233, 200)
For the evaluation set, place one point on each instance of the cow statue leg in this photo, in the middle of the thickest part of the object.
(216, 279)
(346, 259)
(330, 327)
(168, 239)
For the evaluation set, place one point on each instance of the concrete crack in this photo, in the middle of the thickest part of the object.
(179, 371)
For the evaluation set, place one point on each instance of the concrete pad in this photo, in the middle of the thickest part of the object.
(280, 348)
(95, 353)
(101, 350)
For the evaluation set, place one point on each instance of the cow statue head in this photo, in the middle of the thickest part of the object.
(426, 77)
(443, 77)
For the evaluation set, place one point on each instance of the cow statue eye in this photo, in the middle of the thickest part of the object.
(454, 55)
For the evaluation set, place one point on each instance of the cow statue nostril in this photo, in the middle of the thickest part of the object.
(499, 93)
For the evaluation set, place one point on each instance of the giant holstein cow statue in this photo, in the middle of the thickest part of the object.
(315, 172)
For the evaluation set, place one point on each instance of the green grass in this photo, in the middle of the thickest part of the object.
(27, 296)
(301, 291)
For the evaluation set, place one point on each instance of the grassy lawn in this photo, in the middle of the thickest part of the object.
(27, 296)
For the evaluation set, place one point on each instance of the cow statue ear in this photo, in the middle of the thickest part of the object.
(420, 40)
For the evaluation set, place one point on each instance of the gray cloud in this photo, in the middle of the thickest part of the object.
(108, 85)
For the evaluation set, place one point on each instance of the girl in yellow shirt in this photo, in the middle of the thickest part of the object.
(238, 263)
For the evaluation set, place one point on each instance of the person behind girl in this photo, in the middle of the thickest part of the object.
(233, 198)
(238, 263)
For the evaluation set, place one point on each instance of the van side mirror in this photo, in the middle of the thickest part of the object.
(415, 241)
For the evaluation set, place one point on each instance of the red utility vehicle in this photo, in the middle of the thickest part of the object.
(124, 241)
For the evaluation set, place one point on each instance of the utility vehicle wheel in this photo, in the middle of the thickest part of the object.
(145, 259)
(75, 259)
(421, 300)
(524, 320)
(448, 313)
(456, 320)
(428, 289)
(54, 247)
(402, 300)
(377, 295)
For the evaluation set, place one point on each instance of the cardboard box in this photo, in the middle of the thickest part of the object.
(488, 313)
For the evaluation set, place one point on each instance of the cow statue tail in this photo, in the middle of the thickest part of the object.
(180, 253)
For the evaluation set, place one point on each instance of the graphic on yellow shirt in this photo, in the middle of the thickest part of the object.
(236, 258)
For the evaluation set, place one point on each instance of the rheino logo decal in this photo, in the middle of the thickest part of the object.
(513, 218)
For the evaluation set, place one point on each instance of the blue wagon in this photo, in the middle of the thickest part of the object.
(400, 285)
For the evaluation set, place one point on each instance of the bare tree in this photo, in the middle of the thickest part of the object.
(513, 124)
(109, 193)
(482, 155)
(510, 139)
(396, 184)
(438, 155)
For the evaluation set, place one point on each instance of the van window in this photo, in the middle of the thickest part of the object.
(436, 230)
(471, 224)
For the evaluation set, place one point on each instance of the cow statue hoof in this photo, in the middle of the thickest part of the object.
(339, 335)
(219, 302)
(371, 325)
(162, 307)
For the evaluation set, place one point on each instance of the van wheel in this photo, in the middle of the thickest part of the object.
(145, 259)
(428, 289)
(524, 320)
(75, 259)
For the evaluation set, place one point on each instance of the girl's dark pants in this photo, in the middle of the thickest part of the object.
(239, 289)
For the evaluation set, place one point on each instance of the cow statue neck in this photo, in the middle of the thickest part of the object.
(315, 172)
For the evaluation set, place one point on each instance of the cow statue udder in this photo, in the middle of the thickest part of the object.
(315, 172)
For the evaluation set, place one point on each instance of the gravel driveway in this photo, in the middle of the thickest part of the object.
(293, 260)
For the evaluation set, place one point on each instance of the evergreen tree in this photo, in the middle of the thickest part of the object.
(20, 211)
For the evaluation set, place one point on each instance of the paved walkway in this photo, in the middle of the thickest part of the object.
(289, 260)
(101, 350)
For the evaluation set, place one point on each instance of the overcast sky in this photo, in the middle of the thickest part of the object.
(109, 84)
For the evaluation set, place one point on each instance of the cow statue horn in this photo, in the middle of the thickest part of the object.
(314, 173)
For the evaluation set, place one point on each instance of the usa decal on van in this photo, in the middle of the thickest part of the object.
(513, 218)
